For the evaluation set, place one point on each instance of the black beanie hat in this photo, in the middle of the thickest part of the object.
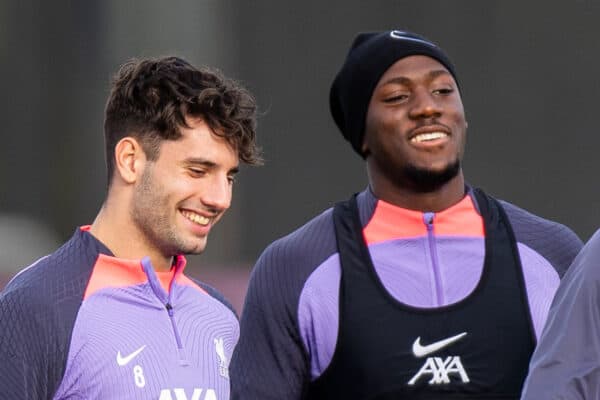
(370, 55)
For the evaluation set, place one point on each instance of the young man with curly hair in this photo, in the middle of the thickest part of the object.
(111, 313)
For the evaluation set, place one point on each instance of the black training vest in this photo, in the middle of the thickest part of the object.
(478, 348)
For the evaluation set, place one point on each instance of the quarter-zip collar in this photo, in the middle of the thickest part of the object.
(111, 271)
(166, 297)
(390, 222)
(438, 295)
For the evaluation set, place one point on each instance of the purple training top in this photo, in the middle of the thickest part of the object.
(82, 324)
(289, 328)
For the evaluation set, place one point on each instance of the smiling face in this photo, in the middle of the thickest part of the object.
(415, 129)
(185, 191)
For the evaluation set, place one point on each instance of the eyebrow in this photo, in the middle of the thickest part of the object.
(406, 81)
(208, 164)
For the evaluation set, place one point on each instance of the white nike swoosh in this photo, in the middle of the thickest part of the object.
(421, 351)
(125, 360)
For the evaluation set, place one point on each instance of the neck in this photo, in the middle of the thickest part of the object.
(115, 229)
(437, 200)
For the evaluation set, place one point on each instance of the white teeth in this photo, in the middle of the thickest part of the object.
(424, 137)
(196, 218)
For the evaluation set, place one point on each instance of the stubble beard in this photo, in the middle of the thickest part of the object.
(150, 213)
(424, 180)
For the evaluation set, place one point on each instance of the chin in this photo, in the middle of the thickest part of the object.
(190, 245)
(197, 249)
(431, 179)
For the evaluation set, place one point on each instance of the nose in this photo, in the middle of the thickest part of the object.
(216, 196)
(425, 105)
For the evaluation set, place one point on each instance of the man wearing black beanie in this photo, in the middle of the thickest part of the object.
(419, 287)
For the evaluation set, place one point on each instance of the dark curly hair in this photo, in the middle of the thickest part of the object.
(150, 100)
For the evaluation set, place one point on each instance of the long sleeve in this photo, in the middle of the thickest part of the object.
(27, 349)
(269, 361)
(566, 363)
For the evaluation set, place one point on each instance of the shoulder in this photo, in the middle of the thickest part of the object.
(585, 265)
(215, 294)
(297, 254)
(565, 348)
(38, 308)
(49, 291)
(24, 300)
(531, 228)
(289, 261)
(552, 240)
(28, 317)
(283, 269)
(270, 333)
(307, 236)
(58, 276)
(47, 295)
(30, 280)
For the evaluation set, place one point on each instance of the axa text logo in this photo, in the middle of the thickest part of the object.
(439, 370)
(180, 394)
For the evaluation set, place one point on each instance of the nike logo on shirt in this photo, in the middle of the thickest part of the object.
(422, 351)
(122, 361)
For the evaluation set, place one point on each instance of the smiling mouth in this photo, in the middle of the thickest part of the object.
(428, 137)
(195, 218)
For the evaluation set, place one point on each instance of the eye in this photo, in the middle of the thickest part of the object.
(196, 172)
(396, 98)
(231, 179)
(444, 91)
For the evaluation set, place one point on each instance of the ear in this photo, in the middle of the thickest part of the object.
(129, 159)
(364, 148)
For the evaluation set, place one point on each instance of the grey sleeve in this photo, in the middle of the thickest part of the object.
(217, 295)
(269, 362)
(555, 242)
(26, 350)
(566, 362)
